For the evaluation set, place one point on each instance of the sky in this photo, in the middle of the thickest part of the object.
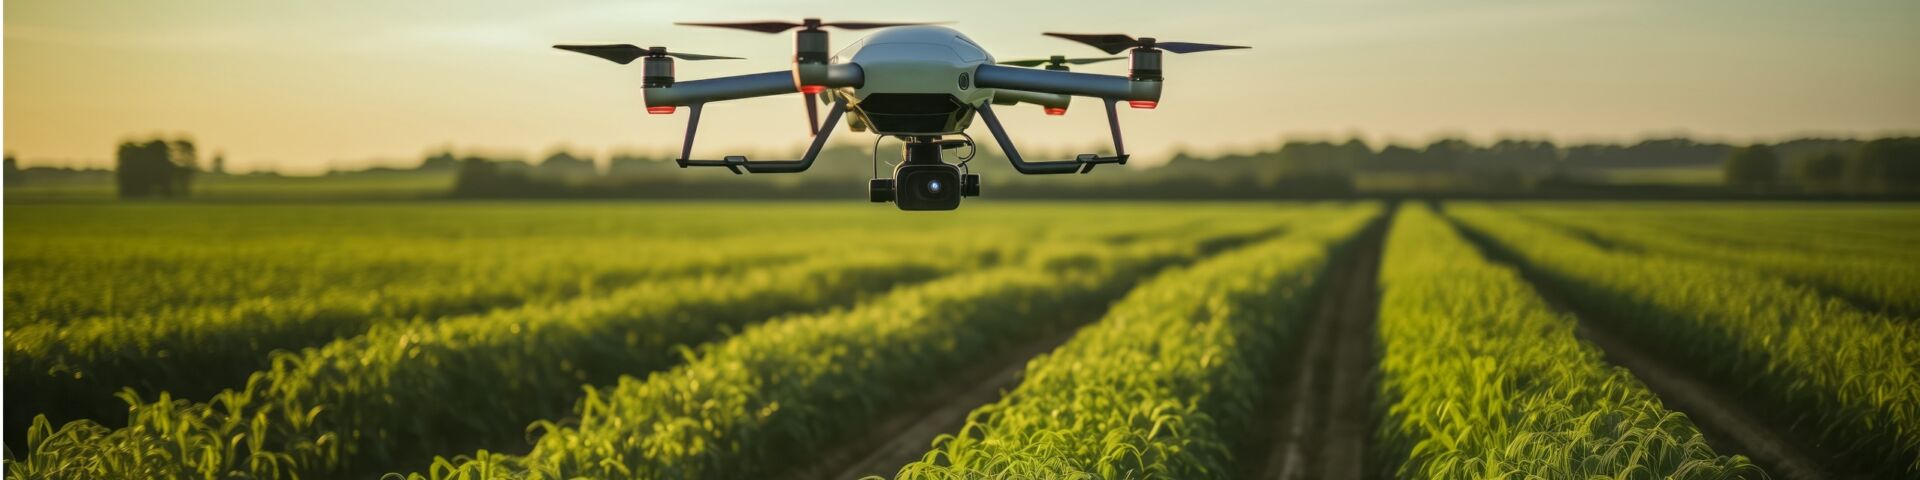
(302, 87)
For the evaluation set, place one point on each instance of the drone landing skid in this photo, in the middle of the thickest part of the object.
(738, 162)
(1082, 163)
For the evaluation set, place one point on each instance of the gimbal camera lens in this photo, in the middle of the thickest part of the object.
(924, 186)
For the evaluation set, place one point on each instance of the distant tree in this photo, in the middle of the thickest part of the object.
(1508, 163)
(443, 161)
(627, 165)
(1353, 153)
(1395, 157)
(1300, 158)
(1670, 152)
(480, 177)
(186, 162)
(1802, 148)
(12, 174)
(183, 154)
(1590, 156)
(513, 166)
(562, 165)
(155, 168)
(1754, 167)
(1825, 172)
(476, 178)
(219, 163)
(141, 169)
(1511, 154)
(1675, 152)
(1298, 167)
(1886, 165)
(1447, 152)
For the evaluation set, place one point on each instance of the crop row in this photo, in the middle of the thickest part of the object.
(69, 263)
(155, 263)
(1847, 232)
(1877, 283)
(1480, 379)
(1849, 378)
(406, 391)
(773, 396)
(163, 262)
(71, 370)
(1162, 385)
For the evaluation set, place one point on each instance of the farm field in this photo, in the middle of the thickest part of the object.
(471, 340)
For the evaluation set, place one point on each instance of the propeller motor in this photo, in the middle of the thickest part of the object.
(655, 72)
(809, 53)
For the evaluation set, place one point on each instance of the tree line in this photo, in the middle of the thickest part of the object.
(165, 167)
(1519, 167)
(1887, 165)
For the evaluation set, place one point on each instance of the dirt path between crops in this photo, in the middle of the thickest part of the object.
(901, 438)
(1322, 408)
(1730, 426)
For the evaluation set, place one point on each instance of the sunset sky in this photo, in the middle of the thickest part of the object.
(302, 86)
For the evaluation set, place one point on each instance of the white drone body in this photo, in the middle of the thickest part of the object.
(912, 81)
(919, 81)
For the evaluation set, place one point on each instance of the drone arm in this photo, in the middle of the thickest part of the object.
(1010, 97)
(693, 92)
(1111, 87)
(738, 162)
(1082, 163)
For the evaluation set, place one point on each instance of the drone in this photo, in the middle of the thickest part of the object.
(919, 82)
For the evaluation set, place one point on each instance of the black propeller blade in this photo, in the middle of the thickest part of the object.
(1058, 60)
(813, 114)
(810, 24)
(624, 54)
(1116, 43)
(1189, 47)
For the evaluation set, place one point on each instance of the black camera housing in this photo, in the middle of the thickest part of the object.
(924, 186)
(923, 182)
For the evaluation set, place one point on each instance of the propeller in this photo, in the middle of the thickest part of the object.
(1057, 61)
(813, 113)
(1116, 43)
(809, 24)
(624, 54)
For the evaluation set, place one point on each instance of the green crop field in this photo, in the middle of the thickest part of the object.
(1111, 340)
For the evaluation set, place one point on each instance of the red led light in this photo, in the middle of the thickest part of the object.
(1056, 111)
(812, 88)
(1144, 104)
(661, 110)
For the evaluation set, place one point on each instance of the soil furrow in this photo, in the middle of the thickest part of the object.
(1326, 396)
(904, 437)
